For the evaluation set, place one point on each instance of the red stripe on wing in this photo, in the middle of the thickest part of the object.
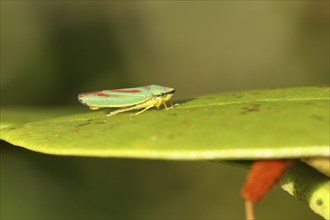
(101, 94)
(126, 90)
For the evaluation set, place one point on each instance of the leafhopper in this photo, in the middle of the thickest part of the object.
(128, 99)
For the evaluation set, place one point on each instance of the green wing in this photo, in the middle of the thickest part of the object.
(115, 98)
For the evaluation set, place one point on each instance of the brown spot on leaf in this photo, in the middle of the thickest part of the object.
(173, 114)
(250, 108)
(317, 117)
(83, 124)
(13, 128)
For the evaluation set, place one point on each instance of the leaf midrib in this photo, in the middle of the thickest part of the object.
(254, 101)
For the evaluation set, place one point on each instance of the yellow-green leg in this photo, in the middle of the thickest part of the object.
(121, 110)
(144, 109)
(135, 107)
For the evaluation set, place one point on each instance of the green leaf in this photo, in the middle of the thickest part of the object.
(261, 124)
(19, 115)
(274, 123)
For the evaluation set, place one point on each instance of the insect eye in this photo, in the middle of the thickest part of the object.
(169, 92)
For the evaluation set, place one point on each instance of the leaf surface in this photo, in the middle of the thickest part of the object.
(275, 123)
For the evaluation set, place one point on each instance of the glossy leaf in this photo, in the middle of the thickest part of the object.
(261, 124)
(277, 123)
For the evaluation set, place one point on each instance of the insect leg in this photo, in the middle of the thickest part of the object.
(172, 106)
(121, 110)
(165, 106)
(150, 106)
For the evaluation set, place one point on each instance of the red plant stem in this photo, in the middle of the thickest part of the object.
(261, 178)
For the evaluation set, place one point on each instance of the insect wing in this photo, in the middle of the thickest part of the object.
(156, 89)
(115, 98)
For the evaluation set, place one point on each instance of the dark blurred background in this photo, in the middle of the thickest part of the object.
(53, 50)
(50, 51)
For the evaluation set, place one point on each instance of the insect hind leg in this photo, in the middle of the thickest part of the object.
(135, 107)
(121, 110)
(143, 110)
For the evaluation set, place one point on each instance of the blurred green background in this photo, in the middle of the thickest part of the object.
(53, 50)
